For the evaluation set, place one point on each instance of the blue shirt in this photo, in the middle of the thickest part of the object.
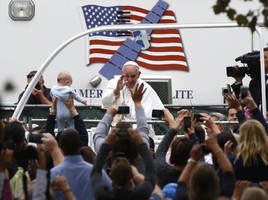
(77, 173)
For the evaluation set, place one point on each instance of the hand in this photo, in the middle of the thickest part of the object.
(135, 136)
(169, 119)
(120, 84)
(228, 149)
(112, 109)
(110, 139)
(84, 101)
(70, 104)
(60, 183)
(249, 102)
(179, 121)
(233, 101)
(49, 142)
(211, 127)
(240, 187)
(238, 79)
(137, 94)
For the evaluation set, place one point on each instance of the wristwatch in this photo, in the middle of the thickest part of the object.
(51, 110)
(191, 160)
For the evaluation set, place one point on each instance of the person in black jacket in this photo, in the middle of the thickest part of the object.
(255, 82)
(121, 171)
(40, 94)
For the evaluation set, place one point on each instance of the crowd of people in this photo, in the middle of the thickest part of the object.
(202, 161)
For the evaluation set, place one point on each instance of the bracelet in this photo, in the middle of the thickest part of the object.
(191, 160)
(66, 191)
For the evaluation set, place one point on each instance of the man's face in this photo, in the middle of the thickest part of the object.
(30, 77)
(232, 115)
(131, 75)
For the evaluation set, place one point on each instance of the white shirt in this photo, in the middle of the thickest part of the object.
(150, 99)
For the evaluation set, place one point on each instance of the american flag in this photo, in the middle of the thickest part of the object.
(165, 53)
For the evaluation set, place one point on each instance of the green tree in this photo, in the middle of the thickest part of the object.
(247, 20)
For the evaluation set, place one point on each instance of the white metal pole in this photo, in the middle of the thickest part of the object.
(262, 66)
(41, 70)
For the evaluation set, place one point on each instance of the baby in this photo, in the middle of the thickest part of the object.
(62, 93)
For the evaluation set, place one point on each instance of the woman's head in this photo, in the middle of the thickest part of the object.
(121, 173)
(204, 183)
(124, 143)
(253, 142)
(180, 151)
(254, 193)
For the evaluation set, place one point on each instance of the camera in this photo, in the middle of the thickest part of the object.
(123, 110)
(122, 134)
(35, 138)
(235, 71)
(187, 123)
(252, 68)
(158, 114)
(38, 86)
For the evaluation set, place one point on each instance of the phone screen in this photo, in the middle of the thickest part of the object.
(187, 123)
(158, 114)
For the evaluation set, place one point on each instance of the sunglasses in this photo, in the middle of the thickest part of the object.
(30, 75)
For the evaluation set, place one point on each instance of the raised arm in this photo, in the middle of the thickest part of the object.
(142, 125)
(103, 127)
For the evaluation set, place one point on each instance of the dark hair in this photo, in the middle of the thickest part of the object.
(200, 133)
(15, 132)
(121, 172)
(204, 183)
(180, 151)
(70, 142)
(224, 136)
(229, 108)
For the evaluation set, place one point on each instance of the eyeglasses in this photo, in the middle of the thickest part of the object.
(30, 75)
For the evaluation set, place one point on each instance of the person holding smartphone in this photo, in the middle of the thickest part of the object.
(40, 94)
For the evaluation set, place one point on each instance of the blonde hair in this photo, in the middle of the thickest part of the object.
(64, 78)
(254, 193)
(252, 143)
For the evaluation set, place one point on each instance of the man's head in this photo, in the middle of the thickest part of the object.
(231, 114)
(31, 75)
(70, 142)
(131, 72)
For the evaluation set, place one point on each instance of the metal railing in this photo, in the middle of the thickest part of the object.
(50, 58)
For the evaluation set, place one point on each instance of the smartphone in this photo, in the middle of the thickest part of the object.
(187, 123)
(197, 118)
(243, 92)
(158, 114)
(229, 89)
(123, 110)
